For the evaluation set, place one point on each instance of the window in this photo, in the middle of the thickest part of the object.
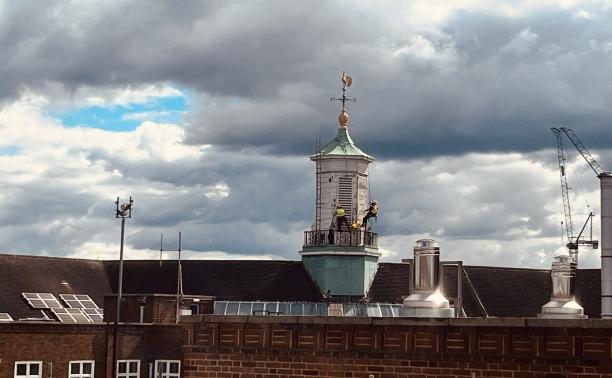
(28, 369)
(81, 369)
(194, 308)
(167, 369)
(245, 308)
(219, 308)
(128, 369)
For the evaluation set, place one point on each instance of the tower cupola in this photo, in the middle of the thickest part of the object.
(341, 249)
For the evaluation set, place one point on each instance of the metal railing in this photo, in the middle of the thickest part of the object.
(340, 238)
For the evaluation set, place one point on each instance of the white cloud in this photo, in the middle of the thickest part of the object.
(583, 14)
(485, 209)
(125, 96)
(438, 79)
(218, 191)
(145, 116)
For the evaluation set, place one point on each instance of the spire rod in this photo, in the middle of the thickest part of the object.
(343, 116)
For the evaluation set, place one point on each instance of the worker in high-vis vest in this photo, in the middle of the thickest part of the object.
(371, 213)
(340, 218)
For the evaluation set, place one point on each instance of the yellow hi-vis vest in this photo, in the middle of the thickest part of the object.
(374, 209)
(340, 212)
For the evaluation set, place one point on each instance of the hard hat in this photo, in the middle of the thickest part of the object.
(374, 202)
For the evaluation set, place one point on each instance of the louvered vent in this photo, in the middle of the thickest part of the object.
(345, 196)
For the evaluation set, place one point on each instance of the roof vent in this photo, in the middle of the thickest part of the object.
(562, 304)
(427, 300)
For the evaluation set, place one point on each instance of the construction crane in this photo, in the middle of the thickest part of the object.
(605, 186)
(573, 242)
(583, 151)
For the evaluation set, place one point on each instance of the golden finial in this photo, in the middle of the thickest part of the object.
(343, 117)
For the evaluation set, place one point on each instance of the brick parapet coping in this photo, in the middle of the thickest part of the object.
(396, 347)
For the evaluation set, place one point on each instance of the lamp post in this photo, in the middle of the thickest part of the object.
(122, 212)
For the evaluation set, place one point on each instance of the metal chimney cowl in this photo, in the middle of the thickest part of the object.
(426, 301)
(562, 304)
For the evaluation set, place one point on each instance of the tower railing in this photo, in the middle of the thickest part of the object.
(340, 238)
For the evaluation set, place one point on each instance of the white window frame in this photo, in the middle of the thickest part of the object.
(80, 374)
(167, 374)
(27, 374)
(127, 373)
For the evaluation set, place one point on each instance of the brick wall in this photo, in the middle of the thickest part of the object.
(283, 346)
(58, 344)
(241, 346)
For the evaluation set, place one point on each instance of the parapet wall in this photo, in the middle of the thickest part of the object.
(56, 344)
(283, 346)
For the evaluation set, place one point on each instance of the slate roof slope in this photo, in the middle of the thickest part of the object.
(19, 274)
(223, 279)
(391, 285)
(503, 292)
(588, 285)
(507, 292)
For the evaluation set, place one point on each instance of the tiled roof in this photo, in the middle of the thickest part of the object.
(391, 285)
(510, 291)
(55, 275)
(224, 279)
(501, 292)
(588, 284)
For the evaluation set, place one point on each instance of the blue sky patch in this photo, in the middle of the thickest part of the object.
(125, 118)
(9, 150)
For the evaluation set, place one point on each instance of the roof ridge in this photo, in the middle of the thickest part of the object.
(503, 267)
(48, 257)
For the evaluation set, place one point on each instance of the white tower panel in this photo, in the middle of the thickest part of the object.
(606, 245)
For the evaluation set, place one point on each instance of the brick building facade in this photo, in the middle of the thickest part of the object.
(393, 348)
(55, 345)
(285, 346)
(499, 337)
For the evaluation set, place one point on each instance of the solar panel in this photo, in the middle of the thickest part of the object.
(78, 301)
(70, 315)
(4, 317)
(41, 300)
(96, 315)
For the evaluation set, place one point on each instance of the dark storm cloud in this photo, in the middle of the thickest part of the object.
(477, 82)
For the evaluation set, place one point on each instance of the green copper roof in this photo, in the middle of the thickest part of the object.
(343, 145)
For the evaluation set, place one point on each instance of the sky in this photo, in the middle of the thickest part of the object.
(205, 112)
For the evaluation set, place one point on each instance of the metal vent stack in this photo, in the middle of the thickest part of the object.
(562, 304)
(426, 301)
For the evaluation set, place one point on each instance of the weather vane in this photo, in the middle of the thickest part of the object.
(346, 82)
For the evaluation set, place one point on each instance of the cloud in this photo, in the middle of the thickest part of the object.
(468, 76)
(455, 99)
(125, 96)
(521, 43)
(145, 116)
(58, 197)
